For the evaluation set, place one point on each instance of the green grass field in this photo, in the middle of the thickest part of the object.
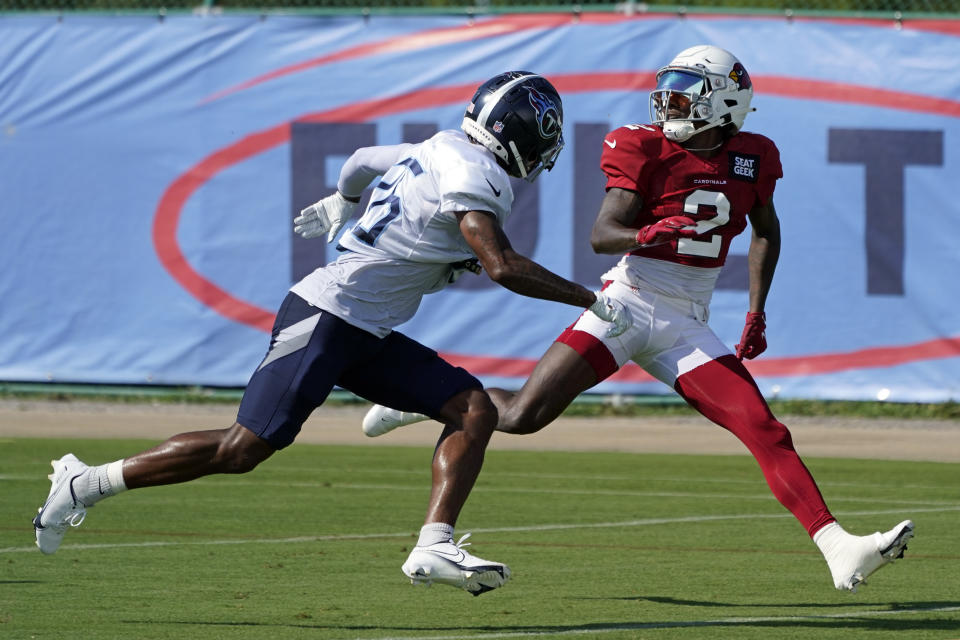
(601, 545)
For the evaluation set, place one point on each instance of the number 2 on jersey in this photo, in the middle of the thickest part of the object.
(382, 212)
(691, 206)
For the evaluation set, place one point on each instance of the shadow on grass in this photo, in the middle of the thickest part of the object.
(865, 619)
(752, 605)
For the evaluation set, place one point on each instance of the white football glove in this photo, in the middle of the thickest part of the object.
(613, 311)
(326, 216)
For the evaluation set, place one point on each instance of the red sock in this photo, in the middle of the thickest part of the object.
(724, 392)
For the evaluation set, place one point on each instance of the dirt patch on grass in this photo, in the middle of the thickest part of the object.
(880, 438)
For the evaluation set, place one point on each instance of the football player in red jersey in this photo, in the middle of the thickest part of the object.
(678, 191)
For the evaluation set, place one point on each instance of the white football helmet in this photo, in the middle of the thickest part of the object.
(702, 84)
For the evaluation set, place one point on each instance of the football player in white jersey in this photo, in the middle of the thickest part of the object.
(678, 190)
(438, 209)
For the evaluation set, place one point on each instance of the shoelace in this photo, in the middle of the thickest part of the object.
(460, 543)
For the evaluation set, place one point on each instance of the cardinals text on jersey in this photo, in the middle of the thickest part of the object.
(717, 192)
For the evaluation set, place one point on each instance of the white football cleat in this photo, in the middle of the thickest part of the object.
(62, 508)
(862, 555)
(448, 563)
(380, 420)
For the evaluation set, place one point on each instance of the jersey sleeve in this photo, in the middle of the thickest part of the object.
(365, 164)
(770, 170)
(623, 159)
(467, 187)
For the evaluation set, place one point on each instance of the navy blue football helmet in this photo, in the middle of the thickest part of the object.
(518, 116)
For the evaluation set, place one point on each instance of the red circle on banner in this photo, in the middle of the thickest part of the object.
(172, 202)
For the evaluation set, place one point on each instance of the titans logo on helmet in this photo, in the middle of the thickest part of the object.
(548, 117)
(739, 75)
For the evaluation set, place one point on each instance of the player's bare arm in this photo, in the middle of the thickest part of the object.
(612, 231)
(761, 263)
(615, 232)
(513, 271)
(763, 254)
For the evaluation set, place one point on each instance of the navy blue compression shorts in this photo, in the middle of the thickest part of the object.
(312, 350)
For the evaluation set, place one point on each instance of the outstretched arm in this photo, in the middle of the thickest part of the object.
(522, 275)
(509, 269)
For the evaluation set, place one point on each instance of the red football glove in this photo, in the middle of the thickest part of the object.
(666, 230)
(753, 342)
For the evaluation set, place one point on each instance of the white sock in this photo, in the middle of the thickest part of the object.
(829, 538)
(850, 558)
(435, 532)
(100, 482)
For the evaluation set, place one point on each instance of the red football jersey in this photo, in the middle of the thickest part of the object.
(717, 192)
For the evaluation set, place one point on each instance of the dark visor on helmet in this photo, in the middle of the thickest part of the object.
(684, 81)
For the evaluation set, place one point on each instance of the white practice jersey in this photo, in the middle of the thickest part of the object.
(409, 238)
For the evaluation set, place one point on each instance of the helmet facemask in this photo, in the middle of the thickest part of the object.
(679, 102)
(537, 160)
